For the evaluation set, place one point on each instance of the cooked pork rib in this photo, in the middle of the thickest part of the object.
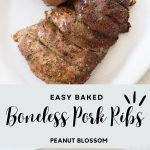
(90, 11)
(71, 41)
(77, 32)
(53, 59)
(87, 11)
(54, 2)
(126, 3)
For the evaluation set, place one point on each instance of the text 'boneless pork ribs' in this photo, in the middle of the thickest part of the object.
(73, 38)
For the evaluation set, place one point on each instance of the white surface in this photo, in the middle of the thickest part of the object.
(71, 149)
(146, 78)
(126, 62)
(17, 148)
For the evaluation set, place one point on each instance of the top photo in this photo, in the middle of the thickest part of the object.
(74, 42)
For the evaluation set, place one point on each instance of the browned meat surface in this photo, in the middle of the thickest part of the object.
(116, 13)
(51, 58)
(76, 32)
(88, 12)
(126, 3)
(54, 2)
(72, 40)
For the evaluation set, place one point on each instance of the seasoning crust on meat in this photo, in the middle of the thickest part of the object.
(54, 2)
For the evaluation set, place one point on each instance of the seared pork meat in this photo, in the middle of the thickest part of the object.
(90, 11)
(73, 39)
(54, 2)
(53, 59)
(126, 3)
(77, 32)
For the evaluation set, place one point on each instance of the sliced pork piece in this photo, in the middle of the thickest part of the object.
(126, 3)
(51, 58)
(76, 32)
(109, 8)
(87, 13)
(54, 2)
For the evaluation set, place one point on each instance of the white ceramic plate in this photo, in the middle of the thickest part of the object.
(125, 63)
